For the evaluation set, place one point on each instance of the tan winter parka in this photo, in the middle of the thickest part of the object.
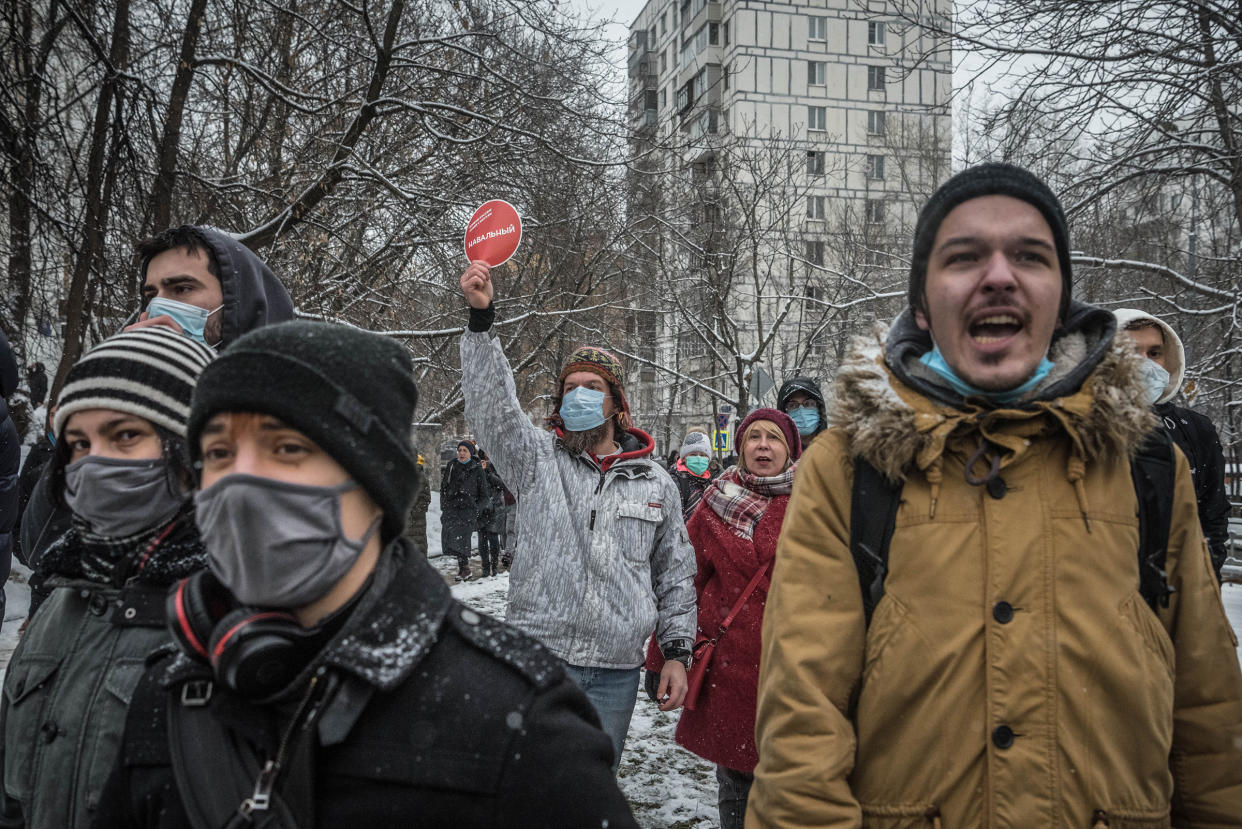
(1012, 675)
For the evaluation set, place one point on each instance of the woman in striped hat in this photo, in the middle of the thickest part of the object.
(122, 469)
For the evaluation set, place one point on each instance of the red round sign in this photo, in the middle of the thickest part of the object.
(494, 233)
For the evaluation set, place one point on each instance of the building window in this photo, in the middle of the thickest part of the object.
(683, 98)
(651, 36)
(875, 77)
(875, 208)
(724, 77)
(875, 123)
(663, 23)
(817, 118)
(725, 30)
(663, 62)
(815, 252)
(814, 163)
(713, 34)
(815, 207)
(817, 28)
(875, 34)
(875, 167)
(814, 294)
(816, 72)
(663, 98)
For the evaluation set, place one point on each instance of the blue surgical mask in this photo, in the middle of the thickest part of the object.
(1155, 380)
(806, 419)
(582, 409)
(936, 362)
(191, 318)
(697, 464)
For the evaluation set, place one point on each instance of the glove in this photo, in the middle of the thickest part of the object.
(651, 684)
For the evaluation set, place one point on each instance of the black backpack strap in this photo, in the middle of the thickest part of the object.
(1154, 475)
(216, 771)
(873, 514)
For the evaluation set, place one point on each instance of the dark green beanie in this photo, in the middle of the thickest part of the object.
(350, 391)
(987, 180)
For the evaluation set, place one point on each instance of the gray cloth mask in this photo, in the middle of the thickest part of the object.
(119, 497)
(274, 543)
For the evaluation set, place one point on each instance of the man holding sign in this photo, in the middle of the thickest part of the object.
(604, 558)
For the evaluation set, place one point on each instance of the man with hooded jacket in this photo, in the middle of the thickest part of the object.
(603, 559)
(199, 282)
(1194, 434)
(1011, 674)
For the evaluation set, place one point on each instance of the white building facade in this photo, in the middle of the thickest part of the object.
(786, 148)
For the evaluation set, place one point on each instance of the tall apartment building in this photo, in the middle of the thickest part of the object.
(785, 148)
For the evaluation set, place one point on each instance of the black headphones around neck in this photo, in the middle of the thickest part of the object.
(251, 651)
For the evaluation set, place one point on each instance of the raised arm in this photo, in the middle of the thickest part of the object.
(491, 403)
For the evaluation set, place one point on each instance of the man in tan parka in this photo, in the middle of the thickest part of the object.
(1012, 675)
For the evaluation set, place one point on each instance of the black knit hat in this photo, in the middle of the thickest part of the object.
(987, 180)
(350, 391)
(148, 372)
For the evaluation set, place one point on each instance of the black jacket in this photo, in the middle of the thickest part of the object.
(463, 491)
(440, 716)
(1197, 438)
(811, 389)
(10, 462)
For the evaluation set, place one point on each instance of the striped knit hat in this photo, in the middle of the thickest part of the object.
(148, 372)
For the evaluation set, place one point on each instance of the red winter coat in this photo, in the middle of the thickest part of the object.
(721, 728)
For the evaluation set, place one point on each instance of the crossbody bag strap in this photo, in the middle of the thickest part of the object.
(750, 588)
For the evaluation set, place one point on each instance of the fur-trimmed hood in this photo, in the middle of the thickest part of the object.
(895, 412)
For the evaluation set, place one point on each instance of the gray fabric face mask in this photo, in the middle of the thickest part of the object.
(274, 543)
(118, 497)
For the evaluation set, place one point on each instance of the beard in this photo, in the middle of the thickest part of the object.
(585, 441)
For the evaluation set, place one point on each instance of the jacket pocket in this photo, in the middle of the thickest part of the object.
(636, 528)
(889, 616)
(1150, 631)
(106, 724)
(901, 816)
(27, 688)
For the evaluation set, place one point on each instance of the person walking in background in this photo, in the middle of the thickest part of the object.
(416, 523)
(10, 465)
(462, 496)
(121, 467)
(491, 516)
(36, 379)
(1164, 368)
(801, 399)
(692, 472)
(734, 534)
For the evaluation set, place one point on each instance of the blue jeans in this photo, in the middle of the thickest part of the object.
(613, 692)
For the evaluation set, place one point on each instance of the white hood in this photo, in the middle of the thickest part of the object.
(1174, 353)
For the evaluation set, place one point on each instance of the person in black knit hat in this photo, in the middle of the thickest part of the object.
(323, 674)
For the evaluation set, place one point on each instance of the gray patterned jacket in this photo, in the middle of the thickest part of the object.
(603, 558)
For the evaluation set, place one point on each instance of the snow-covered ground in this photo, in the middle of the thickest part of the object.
(667, 787)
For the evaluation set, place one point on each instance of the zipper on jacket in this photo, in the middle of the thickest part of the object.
(1099, 819)
(261, 798)
(598, 487)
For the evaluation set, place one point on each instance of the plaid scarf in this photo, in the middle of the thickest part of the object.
(740, 498)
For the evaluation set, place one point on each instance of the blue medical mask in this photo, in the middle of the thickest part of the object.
(936, 362)
(582, 409)
(697, 464)
(1155, 379)
(191, 318)
(806, 419)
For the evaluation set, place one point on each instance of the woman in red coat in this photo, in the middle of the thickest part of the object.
(734, 531)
